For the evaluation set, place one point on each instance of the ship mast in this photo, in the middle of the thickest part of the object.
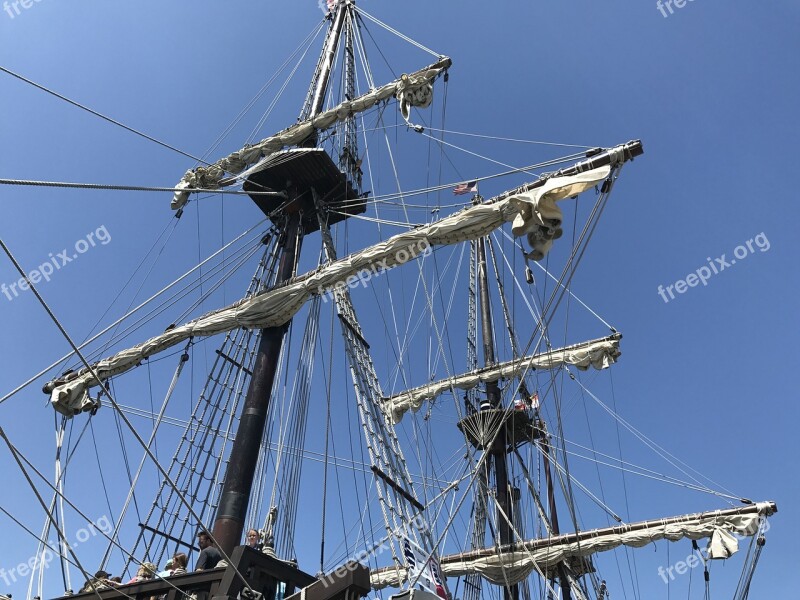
(234, 500)
(492, 401)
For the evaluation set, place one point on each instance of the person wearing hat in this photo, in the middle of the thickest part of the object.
(100, 581)
(167, 569)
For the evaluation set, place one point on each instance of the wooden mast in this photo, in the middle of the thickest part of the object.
(232, 511)
(499, 448)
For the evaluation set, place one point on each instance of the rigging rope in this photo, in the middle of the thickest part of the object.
(158, 420)
(506, 139)
(670, 458)
(19, 458)
(121, 319)
(97, 114)
(130, 188)
(751, 562)
(105, 390)
(402, 36)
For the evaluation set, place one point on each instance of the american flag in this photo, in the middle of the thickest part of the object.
(465, 188)
(535, 401)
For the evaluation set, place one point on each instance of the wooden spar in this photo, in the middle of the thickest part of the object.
(494, 373)
(613, 156)
(569, 538)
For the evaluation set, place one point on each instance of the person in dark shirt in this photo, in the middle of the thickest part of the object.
(209, 554)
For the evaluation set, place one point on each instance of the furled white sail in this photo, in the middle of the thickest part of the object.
(599, 354)
(412, 90)
(539, 217)
(277, 306)
(515, 564)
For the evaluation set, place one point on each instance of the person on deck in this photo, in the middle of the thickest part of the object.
(167, 569)
(100, 581)
(252, 540)
(209, 554)
(179, 562)
(146, 571)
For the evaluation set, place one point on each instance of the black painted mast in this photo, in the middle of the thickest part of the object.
(232, 511)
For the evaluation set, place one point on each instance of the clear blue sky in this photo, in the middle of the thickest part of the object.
(711, 89)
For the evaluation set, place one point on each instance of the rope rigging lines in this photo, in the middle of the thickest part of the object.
(420, 318)
(199, 458)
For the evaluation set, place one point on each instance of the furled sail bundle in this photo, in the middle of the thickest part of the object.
(599, 354)
(276, 306)
(509, 565)
(413, 90)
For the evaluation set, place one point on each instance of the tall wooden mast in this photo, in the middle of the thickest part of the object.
(499, 448)
(294, 218)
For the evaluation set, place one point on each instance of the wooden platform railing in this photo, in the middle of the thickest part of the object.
(251, 574)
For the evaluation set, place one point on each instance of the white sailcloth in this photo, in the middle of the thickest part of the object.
(599, 354)
(512, 567)
(412, 90)
(274, 307)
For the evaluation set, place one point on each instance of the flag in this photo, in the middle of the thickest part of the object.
(437, 579)
(411, 560)
(535, 401)
(465, 188)
(427, 576)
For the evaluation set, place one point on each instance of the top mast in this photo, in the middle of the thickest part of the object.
(319, 83)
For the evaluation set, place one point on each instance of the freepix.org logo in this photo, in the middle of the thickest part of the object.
(55, 262)
(714, 267)
(13, 8)
(101, 526)
(699, 556)
(666, 5)
(422, 248)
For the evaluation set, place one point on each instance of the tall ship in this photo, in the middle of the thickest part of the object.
(385, 409)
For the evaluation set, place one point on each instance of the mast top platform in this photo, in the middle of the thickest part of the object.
(481, 427)
(298, 171)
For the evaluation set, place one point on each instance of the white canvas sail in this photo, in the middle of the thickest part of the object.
(276, 306)
(599, 354)
(412, 90)
(514, 565)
